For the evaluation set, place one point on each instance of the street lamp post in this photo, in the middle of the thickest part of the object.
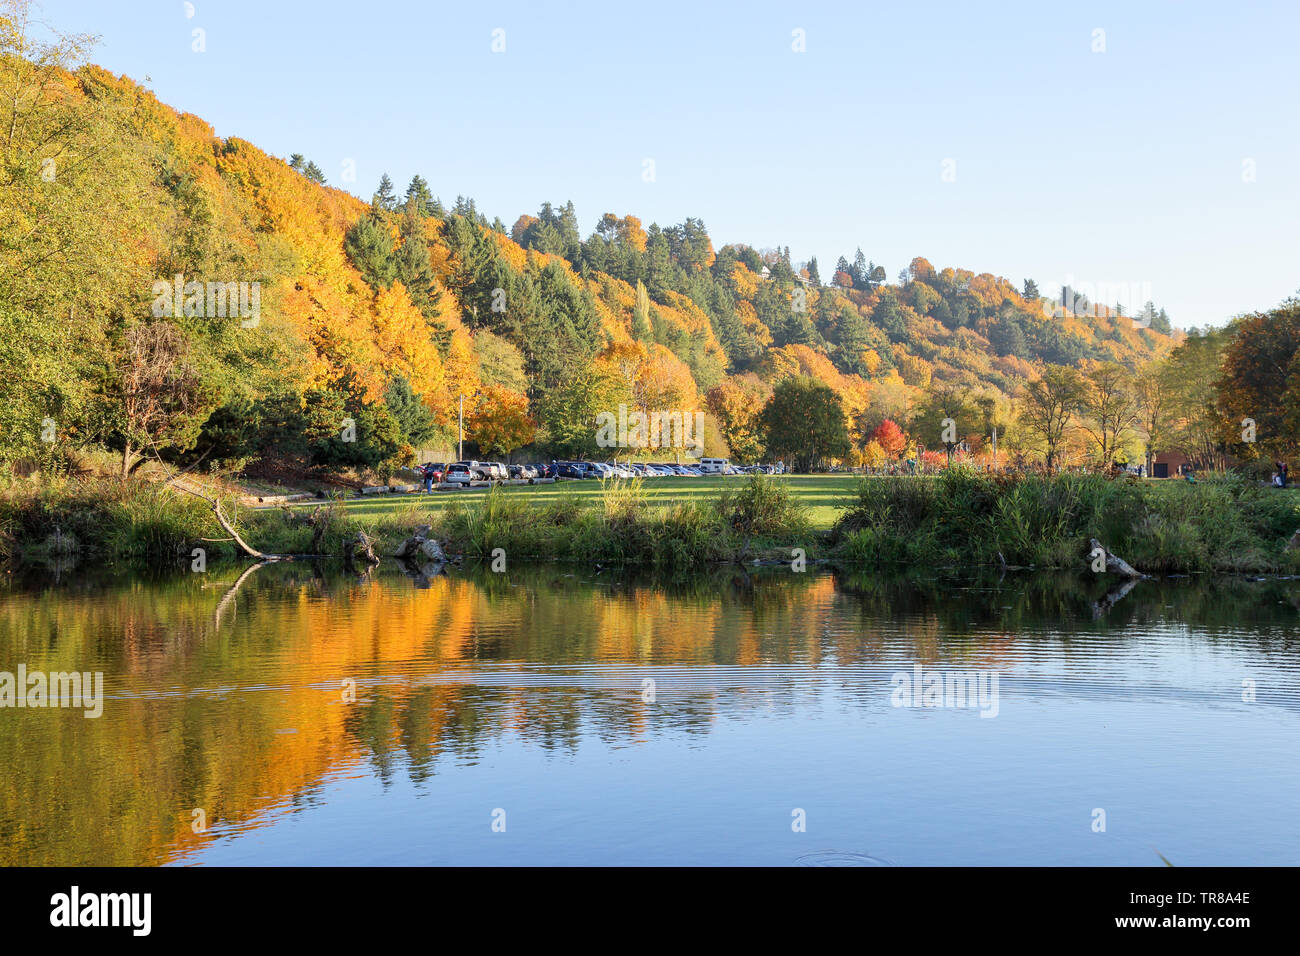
(461, 423)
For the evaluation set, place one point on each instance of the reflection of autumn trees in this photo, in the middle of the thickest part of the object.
(247, 719)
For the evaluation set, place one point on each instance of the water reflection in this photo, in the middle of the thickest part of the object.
(248, 694)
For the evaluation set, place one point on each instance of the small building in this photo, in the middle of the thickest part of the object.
(1169, 464)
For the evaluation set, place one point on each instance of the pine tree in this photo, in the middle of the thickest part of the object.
(385, 198)
(370, 247)
(418, 198)
(860, 271)
(413, 267)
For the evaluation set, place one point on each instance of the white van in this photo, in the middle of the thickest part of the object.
(713, 466)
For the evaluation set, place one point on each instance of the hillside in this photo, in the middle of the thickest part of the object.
(386, 313)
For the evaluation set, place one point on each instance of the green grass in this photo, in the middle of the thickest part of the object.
(958, 519)
(963, 518)
(821, 495)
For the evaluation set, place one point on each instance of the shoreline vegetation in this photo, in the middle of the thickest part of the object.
(959, 518)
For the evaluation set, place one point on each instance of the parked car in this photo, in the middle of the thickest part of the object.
(460, 473)
(524, 472)
(714, 466)
(479, 469)
(570, 469)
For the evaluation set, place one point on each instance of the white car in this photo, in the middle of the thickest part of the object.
(460, 475)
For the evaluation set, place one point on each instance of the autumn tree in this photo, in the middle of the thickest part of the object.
(1049, 406)
(889, 439)
(1110, 408)
(500, 422)
(1260, 382)
(1154, 409)
(947, 417)
(1198, 424)
(737, 404)
(641, 313)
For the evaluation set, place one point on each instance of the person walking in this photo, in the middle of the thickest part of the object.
(427, 471)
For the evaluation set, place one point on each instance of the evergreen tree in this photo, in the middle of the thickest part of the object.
(370, 247)
(385, 198)
(419, 201)
(860, 272)
(413, 267)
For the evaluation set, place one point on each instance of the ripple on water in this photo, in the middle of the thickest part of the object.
(839, 858)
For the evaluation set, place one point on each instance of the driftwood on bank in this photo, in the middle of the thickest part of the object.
(421, 546)
(1114, 563)
(422, 557)
(215, 504)
(360, 548)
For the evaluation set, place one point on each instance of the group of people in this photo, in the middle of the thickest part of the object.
(1282, 477)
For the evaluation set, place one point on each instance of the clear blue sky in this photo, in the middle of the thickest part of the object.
(1118, 167)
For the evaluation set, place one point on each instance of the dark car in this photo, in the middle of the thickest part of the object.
(568, 469)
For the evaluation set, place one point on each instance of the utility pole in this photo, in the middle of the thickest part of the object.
(461, 420)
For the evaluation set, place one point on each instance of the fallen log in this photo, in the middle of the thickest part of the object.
(421, 546)
(1114, 563)
(362, 546)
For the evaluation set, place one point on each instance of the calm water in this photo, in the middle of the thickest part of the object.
(307, 717)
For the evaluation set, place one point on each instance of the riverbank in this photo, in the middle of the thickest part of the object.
(955, 519)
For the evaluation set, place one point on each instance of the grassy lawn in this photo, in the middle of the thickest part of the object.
(822, 495)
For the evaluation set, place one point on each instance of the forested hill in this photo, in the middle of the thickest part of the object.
(387, 312)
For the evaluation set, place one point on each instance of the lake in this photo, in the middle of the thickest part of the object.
(295, 714)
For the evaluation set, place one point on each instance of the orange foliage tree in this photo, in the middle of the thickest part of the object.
(500, 422)
(890, 438)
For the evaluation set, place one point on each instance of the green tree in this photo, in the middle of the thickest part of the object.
(804, 422)
(384, 197)
(370, 247)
